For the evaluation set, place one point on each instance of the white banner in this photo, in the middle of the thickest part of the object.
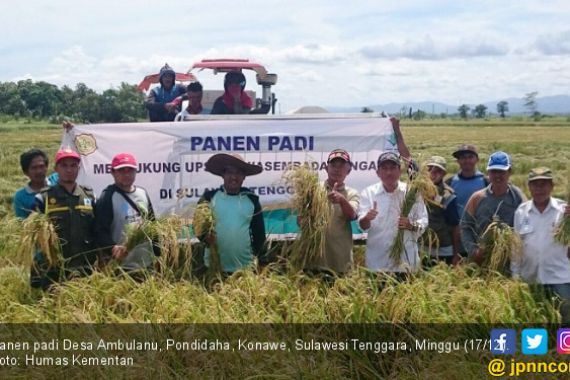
(171, 156)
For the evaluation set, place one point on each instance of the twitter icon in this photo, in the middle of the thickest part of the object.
(534, 341)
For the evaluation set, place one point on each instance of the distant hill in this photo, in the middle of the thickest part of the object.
(557, 104)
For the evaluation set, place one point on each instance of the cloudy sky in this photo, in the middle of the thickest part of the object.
(328, 53)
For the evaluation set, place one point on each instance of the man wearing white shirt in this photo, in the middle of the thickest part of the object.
(380, 215)
(544, 261)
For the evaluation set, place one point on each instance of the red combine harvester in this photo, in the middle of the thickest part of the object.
(151, 79)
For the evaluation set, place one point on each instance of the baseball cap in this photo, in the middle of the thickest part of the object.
(389, 156)
(124, 160)
(499, 161)
(466, 148)
(339, 153)
(66, 153)
(438, 162)
(540, 173)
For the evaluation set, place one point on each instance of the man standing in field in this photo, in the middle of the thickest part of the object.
(120, 205)
(239, 227)
(469, 179)
(34, 164)
(499, 199)
(443, 215)
(70, 209)
(344, 202)
(544, 261)
(380, 215)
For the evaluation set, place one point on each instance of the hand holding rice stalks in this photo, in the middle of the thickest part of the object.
(314, 213)
(500, 244)
(420, 185)
(163, 233)
(204, 225)
(39, 232)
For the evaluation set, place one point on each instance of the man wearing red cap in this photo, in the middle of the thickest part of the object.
(120, 205)
(70, 208)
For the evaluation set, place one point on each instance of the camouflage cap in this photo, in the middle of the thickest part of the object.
(466, 148)
(540, 173)
(389, 156)
(437, 161)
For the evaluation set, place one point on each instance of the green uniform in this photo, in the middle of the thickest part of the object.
(72, 216)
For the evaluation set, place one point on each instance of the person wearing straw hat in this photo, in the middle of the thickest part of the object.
(380, 215)
(443, 215)
(544, 260)
(344, 203)
(239, 225)
(122, 204)
(500, 199)
(70, 208)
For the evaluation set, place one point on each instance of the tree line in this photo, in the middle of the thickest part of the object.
(27, 98)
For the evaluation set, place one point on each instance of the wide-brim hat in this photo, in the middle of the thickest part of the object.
(218, 163)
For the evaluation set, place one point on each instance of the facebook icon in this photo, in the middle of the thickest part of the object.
(503, 341)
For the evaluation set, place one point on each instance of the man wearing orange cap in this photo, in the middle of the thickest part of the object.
(70, 209)
(120, 205)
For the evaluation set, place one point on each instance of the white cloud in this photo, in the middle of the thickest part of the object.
(427, 49)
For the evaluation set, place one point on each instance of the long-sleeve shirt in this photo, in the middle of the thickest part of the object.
(481, 208)
(384, 227)
(544, 260)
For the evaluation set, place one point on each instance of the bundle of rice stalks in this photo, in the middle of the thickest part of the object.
(168, 230)
(562, 234)
(314, 213)
(163, 233)
(204, 225)
(420, 185)
(139, 233)
(500, 243)
(39, 232)
(430, 241)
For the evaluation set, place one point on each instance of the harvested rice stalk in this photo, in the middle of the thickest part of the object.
(167, 232)
(314, 213)
(163, 232)
(204, 225)
(562, 234)
(420, 185)
(139, 233)
(39, 232)
(500, 243)
(430, 241)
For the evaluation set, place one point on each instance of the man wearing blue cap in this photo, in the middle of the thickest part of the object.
(500, 199)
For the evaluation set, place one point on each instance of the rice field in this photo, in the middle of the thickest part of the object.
(278, 296)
